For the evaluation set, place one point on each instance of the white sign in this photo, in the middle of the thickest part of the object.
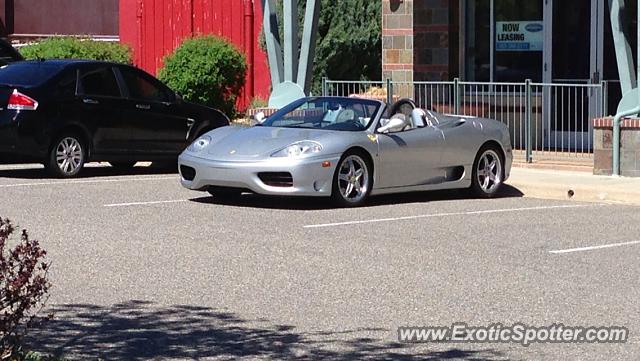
(519, 35)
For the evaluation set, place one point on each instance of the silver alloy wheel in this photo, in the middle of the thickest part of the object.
(489, 172)
(353, 179)
(69, 155)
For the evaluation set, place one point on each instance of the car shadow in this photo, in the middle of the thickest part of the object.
(38, 172)
(315, 203)
(140, 330)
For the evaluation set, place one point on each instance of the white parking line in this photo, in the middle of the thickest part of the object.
(489, 211)
(145, 179)
(582, 249)
(143, 203)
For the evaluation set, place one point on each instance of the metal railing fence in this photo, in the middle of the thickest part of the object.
(544, 119)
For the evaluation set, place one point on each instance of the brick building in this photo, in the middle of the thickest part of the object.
(419, 38)
(24, 19)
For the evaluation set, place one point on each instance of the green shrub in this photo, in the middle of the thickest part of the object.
(77, 48)
(207, 70)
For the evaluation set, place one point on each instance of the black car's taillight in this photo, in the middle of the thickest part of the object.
(19, 101)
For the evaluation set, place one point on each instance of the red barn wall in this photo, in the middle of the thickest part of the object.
(154, 28)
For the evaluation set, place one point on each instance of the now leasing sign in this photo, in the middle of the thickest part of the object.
(519, 35)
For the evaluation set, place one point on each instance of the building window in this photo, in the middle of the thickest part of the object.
(478, 40)
(504, 40)
(519, 34)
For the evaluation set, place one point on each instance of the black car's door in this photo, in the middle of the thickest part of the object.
(159, 125)
(100, 103)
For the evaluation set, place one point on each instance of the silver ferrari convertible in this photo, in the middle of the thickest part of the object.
(350, 149)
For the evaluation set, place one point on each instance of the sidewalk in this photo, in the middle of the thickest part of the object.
(578, 186)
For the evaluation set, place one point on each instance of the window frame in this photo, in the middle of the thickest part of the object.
(80, 91)
(172, 97)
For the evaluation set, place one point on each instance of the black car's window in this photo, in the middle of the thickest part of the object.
(66, 86)
(143, 88)
(101, 82)
(28, 73)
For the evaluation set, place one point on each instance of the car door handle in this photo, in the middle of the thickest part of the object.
(143, 106)
(90, 101)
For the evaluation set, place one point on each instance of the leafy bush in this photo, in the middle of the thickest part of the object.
(23, 286)
(207, 70)
(77, 48)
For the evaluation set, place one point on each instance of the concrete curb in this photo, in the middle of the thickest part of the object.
(576, 186)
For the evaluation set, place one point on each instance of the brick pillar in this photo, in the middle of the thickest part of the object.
(431, 25)
(415, 40)
(397, 39)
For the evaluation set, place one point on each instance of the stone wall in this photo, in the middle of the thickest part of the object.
(416, 40)
(629, 147)
(397, 40)
(431, 27)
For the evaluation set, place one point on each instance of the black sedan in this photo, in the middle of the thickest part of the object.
(63, 113)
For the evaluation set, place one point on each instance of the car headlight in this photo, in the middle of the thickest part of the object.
(199, 144)
(298, 149)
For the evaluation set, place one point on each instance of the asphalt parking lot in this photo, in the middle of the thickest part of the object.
(144, 269)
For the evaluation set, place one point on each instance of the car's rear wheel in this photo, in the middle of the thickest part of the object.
(67, 156)
(123, 165)
(488, 173)
(352, 180)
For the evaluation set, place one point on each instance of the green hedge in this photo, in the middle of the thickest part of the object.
(207, 70)
(77, 48)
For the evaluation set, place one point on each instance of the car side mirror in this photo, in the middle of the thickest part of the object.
(258, 118)
(394, 125)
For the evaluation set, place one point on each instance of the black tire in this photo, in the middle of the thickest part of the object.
(357, 196)
(484, 184)
(224, 193)
(67, 155)
(123, 165)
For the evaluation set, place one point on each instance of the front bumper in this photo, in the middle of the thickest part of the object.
(508, 163)
(310, 178)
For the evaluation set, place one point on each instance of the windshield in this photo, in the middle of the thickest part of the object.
(327, 113)
(28, 73)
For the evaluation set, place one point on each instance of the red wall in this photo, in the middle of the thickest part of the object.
(154, 28)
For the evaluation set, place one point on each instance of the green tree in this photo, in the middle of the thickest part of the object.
(349, 43)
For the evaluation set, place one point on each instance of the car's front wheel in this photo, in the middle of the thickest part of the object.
(67, 156)
(352, 180)
(488, 173)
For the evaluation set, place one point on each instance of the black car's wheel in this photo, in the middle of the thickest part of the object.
(488, 172)
(352, 180)
(67, 156)
(123, 165)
